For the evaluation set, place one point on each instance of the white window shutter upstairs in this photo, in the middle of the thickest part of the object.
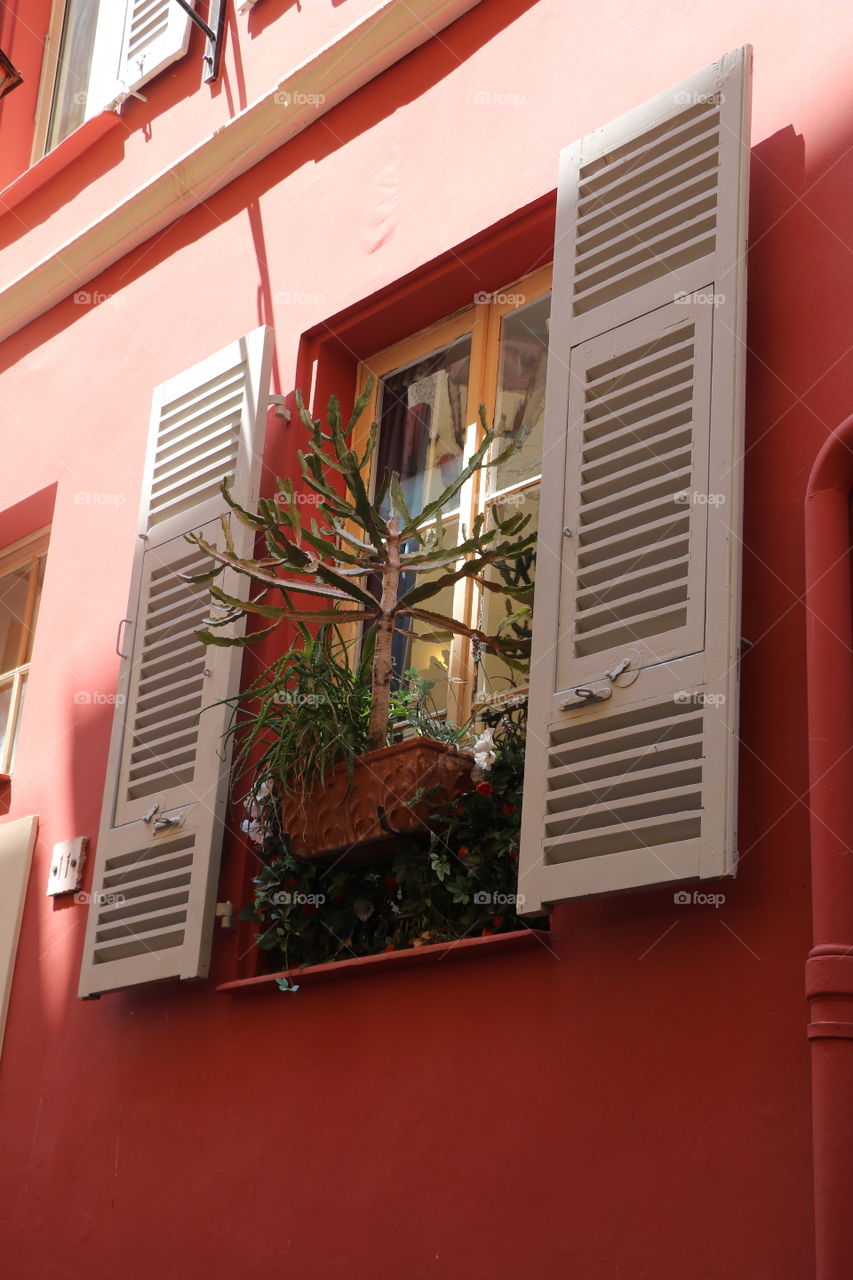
(156, 34)
(630, 776)
(157, 861)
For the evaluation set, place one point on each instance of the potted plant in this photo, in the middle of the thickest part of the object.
(464, 885)
(364, 568)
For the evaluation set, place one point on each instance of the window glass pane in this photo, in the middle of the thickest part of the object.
(422, 417)
(22, 693)
(495, 676)
(430, 658)
(521, 388)
(14, 588)
(38, 570)
(5, 709)
(73, 69)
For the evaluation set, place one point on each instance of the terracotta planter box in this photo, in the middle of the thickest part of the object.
(356, 822)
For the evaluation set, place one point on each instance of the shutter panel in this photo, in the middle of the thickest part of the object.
(631, 753)
(17, 841)
(157, 861)
(156, 34)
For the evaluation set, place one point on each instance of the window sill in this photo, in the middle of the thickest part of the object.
(63, 155)
(467, 948)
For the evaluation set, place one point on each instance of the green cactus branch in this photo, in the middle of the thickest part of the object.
(350, 544)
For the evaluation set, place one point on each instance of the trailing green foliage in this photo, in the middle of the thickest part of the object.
(412, 703)
(306, 712)
(464, 884)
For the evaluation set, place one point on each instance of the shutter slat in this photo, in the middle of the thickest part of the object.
(616, 570)
(641, 833)
(608, 552)
(629, 585)
(648, 450)
(594, 768)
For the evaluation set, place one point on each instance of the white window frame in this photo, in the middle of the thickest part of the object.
(103, 85)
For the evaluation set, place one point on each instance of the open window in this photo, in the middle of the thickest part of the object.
(97, 53)
(633, 455)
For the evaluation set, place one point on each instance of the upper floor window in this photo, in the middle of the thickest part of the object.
(428, 392)
(99, 52)
(21, 574)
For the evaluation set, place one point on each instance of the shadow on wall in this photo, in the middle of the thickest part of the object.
(412, 77)
(262, 15)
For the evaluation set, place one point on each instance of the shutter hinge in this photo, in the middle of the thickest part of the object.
(281, 411)
(225, 913)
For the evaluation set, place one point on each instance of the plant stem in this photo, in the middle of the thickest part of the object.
(382, 653)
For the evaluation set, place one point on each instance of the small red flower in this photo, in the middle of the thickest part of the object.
(513, 855)
(484, 788)
(485, 931)
(390, 947)
(337, 897)
(390, 882)
(462, 851)
(309, 909)
(497, 922)
(507, 809)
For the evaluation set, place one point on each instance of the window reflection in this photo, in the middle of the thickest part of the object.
(73, 69)
(521, 388)
(422, 417)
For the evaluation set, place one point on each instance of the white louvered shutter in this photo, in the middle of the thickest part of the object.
(156, 34)
(157, 860)
(630, 775)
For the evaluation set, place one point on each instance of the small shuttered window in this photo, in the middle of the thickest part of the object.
(157, 860)
(98, 52)
(631, 758)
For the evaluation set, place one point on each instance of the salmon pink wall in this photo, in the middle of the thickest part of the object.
(631, 1098)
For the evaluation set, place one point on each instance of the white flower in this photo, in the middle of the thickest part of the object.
(254, 830)
(484, 750)
(253, 806)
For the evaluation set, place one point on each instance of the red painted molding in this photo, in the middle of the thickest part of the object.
(67, 153)
(466, 948)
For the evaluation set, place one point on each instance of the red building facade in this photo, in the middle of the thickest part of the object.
(369, 183)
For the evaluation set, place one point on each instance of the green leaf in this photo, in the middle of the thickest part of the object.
(238, 642)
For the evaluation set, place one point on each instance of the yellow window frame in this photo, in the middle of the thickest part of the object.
(483, 321)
